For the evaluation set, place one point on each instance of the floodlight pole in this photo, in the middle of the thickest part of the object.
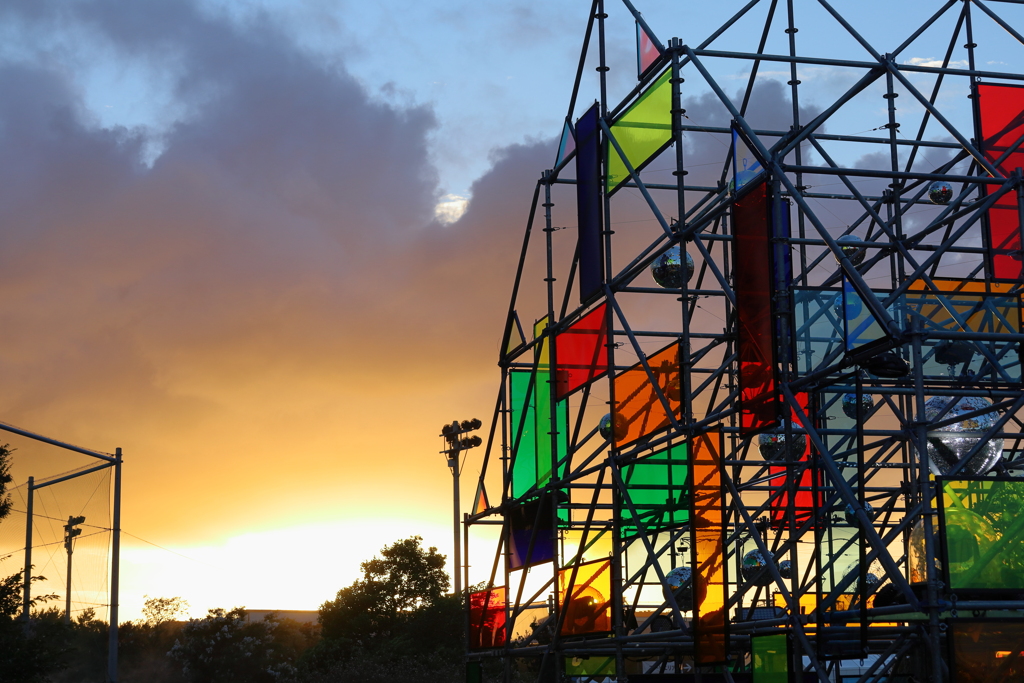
(453, 463)
(452, 434)
(70, 532)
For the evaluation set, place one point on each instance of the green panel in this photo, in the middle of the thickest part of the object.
(523, 431)
(771, 658)
(590, 666)
(530, 430)
(657, 488)
(642, 131)
(983, 530)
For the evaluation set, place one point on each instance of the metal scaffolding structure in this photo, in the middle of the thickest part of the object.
(796, 453)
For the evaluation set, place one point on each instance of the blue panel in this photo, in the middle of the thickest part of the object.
(588, 203)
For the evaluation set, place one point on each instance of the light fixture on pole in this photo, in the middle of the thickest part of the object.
(71, 531)
(455, 438)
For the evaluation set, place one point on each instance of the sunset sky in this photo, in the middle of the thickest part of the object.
(229, 246)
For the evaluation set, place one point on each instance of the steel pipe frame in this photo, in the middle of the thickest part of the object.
(711, 209)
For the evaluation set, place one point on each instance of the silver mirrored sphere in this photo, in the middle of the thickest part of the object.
(773, 444)
(940, 192)
(948, 446)
(667, 269)
(854, 253)
(754, 568)
(786, 569)
(851, 519)
(850, 404)
(607, 431)
(674, 581)
(837, 308)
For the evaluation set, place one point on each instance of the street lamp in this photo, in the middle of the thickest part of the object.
(455, 438)
(71, 530)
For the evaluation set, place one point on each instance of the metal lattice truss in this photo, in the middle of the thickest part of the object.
(891, 314)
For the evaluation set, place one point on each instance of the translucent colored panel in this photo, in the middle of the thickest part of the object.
(745, 165)
(590, 666)
(803, 499)
(987, 652)
(819, 326)
(480, 502)
(589, 204)
(770, 658)
(527, 620)
(646, 51)
(753, 283)
(543, 391)
(1001, 122)
(642, 131)
(656, 486)
(637, 406)
(487, 618)
(966, 300)
(587, 602)
(709, 540)
(581, 352)
(861, 327)
(515, 334)
(982, 533)
(531, 534)
(545, 424)
(566, 145)
(524, 431)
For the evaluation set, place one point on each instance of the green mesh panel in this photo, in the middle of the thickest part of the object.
(641, 131)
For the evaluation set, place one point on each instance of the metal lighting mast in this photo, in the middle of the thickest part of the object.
(71, 531)
(455, 438)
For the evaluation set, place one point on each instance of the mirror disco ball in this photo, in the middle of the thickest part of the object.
(850, 404)
(773, 444)
(837, 308)
(754, 568)
(940, 192)
(605, 426)
(667, 269)
(852, 520)
(948, 446)
(786, 569)
(854, 253)
(674, 581)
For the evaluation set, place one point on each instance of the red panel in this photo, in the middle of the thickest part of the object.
(804, 499)
(581, 353)
(753, 283)
(487, 618)
(1001, 113)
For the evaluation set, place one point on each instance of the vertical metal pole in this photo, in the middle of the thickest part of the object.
(27, 593)
(115, 572)
(67, 595)
(453, 462)
(465, 549)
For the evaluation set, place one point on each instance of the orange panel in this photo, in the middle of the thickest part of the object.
(587, 603)
(637, 410)
(709, 538)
